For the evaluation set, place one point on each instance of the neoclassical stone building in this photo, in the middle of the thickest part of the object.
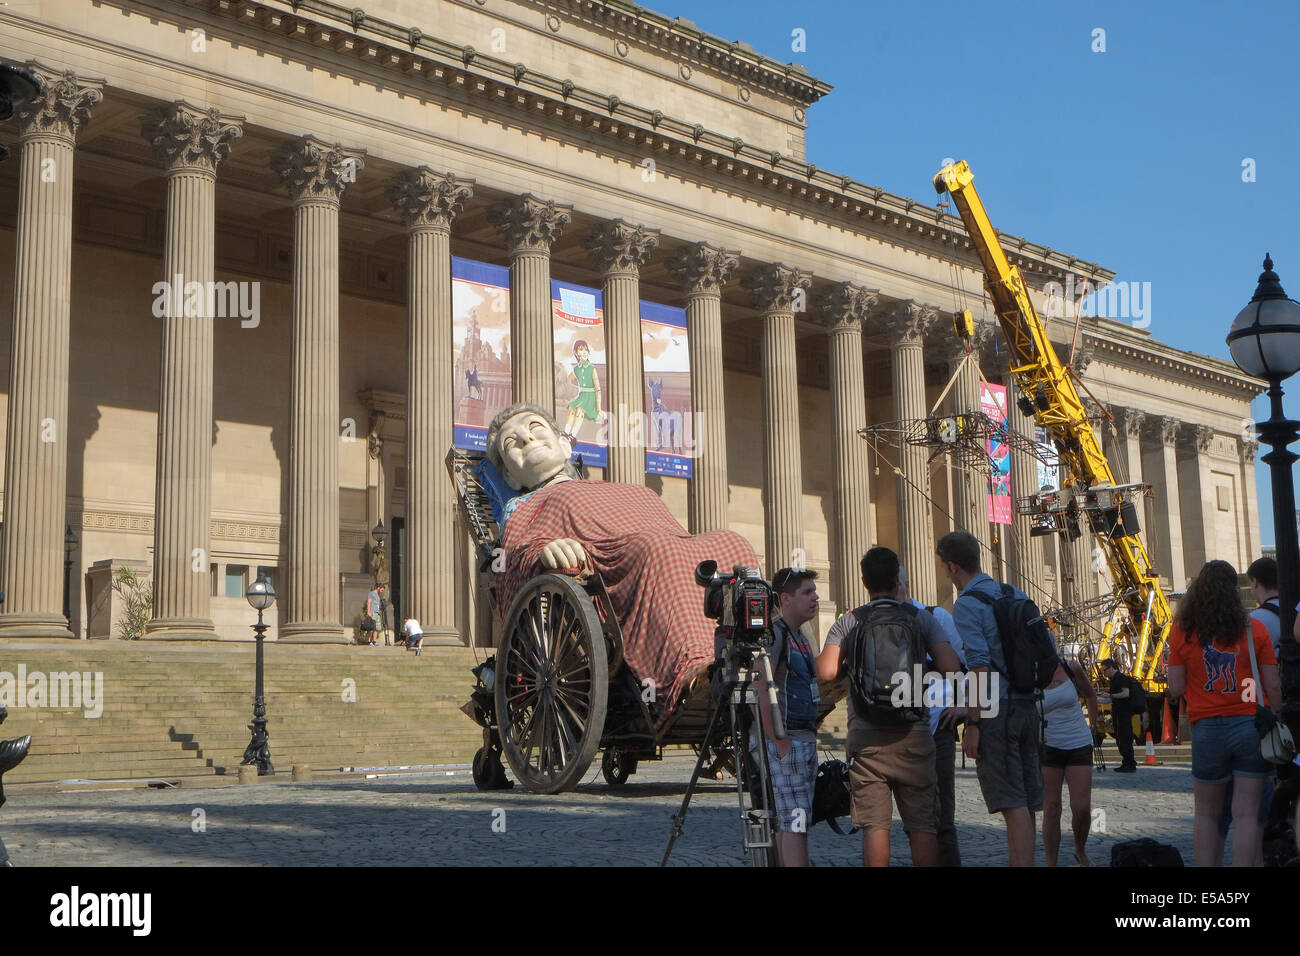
(328, 161)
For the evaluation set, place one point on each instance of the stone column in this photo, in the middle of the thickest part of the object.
(908, 324)
(1129, 423)
(703, 270)
(429, 202)
(36, 442)
(1160, 465)
(1247, 449)
(852, 534)
(618, 250)
(530, 226)
(1197, 498)
(191, 143)
(316, 175)
(1024, 553)
(778, 290)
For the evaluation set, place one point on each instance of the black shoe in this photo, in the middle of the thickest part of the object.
(1126, 768)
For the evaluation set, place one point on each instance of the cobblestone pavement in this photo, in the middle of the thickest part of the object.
(421, 820)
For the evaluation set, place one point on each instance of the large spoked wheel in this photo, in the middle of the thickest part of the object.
(552, 684)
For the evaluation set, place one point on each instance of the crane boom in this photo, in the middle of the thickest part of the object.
(1047, 382)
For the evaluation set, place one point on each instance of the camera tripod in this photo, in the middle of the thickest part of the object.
(756, 823)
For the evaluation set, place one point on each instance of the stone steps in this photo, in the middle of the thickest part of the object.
(177, 710)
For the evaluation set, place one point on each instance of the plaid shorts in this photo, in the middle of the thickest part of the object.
(793, 778)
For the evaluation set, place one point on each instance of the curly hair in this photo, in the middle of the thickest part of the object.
(1211, 610)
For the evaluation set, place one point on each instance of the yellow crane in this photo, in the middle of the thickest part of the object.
(1090, 499)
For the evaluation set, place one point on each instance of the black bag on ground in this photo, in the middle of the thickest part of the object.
(1145, 852)
(1027, 642)
(887, 641)
(832, 794)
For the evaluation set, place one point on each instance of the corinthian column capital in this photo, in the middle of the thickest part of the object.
(1169, 428)
(1203, 435)
(1134, 419)
(1247, 447)
(62, 106)
(529, 224)
(848, 305)
(620, 248)
(910, 321)
(429, 199)
(312, 169)
(776, 287)
(187, 137)
(704, 269)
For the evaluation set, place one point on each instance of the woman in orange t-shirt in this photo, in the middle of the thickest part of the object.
(1209, 667)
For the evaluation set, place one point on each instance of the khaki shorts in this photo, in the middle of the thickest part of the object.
(900, 763)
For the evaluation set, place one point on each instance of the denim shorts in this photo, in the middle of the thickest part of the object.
(1226, 747)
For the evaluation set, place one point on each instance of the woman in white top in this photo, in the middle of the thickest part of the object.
(1068, 756)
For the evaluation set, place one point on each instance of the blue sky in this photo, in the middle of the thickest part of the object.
(1131, 158)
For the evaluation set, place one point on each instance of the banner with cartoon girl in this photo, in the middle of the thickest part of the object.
(581, 375)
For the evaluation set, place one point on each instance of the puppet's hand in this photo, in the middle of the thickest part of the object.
(563, 553)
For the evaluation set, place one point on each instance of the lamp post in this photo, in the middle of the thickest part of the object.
(69, 546)
(1265, 342)
(261, 595)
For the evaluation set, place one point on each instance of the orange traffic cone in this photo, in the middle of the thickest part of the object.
(1168, 727)
(1150, 760)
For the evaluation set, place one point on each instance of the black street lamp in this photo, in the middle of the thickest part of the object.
(261, 595)
(69, 546)
(1265, 342)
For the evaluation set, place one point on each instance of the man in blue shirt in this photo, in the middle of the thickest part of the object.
(943, 728)
(1005, 741)
(792, 761)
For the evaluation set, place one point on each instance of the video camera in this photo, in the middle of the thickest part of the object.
(741, 603)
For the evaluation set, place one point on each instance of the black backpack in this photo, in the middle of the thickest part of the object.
(886, 641)
(1027, 642)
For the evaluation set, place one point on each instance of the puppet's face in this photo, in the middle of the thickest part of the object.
(532, 452)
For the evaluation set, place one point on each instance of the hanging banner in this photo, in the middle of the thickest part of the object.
(480, 333)
(993, 403)
(671, 440)
(581, 375)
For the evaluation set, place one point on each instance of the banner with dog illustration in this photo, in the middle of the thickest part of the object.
(993, 403)
(671, 439)
(480, 341)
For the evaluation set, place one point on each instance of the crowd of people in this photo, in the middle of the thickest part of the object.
(1030, 739)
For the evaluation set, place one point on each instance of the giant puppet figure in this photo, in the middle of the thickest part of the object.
(646, 559)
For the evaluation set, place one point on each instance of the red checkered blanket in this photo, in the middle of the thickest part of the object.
(647, 561)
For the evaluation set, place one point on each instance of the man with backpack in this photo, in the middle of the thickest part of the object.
(1006, 638)
(1262, 575)
(881, 646)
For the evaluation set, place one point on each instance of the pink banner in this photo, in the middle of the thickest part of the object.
(993, 403)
